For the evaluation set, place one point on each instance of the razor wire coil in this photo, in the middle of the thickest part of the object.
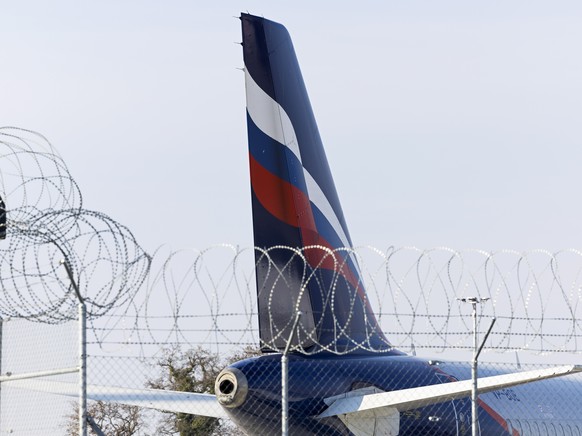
(202, 296)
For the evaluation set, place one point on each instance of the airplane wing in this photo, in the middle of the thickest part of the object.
(356, 402)
(413, 398)
(168, 401)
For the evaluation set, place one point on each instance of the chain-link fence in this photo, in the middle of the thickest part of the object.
(189, 342)
(187, 352)
(32, 348)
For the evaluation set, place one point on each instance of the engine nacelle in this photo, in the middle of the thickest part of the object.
(231, 388)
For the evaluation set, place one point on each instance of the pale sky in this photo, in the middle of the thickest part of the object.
(446, 123)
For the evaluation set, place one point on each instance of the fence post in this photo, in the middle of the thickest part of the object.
(82, 353)
(1, 332)
(285, 379)
(476, 352)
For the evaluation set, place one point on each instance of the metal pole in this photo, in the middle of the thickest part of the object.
(82, 353)
(486, 336)
(474, 375)
(285, 379)
(474, 371)
(94, 426)
(28, 375)
(284, 398)
(1, 331)
(82, 369)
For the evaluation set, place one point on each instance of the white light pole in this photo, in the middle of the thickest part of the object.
(476, 351)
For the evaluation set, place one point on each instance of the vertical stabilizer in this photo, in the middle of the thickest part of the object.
(299, 227)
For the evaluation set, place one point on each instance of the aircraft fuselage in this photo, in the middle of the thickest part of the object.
(312, 379)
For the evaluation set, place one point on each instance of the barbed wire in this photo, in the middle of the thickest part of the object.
(46, 224)
(209, 296)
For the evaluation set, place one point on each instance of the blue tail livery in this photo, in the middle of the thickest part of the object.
(299, 226)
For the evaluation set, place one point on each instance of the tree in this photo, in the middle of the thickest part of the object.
(113, 419)
(194, 370)
(191, 371)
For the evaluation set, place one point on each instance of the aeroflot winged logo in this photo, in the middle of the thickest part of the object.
(295, 205)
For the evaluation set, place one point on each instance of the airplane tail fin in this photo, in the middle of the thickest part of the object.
(301, 236)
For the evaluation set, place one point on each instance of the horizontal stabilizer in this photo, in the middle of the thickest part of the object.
(413, 398)
(167, 401)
